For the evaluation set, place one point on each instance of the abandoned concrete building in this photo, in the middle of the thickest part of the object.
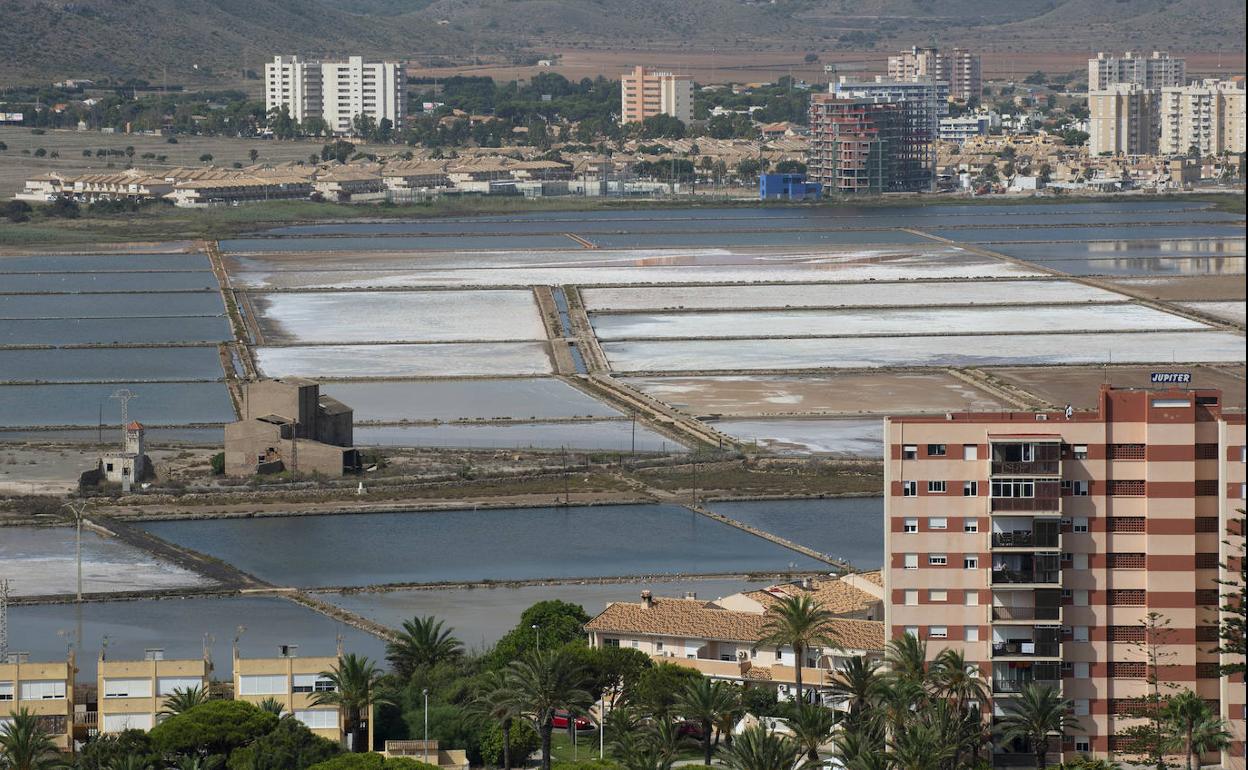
(130, 465)
(288, 425)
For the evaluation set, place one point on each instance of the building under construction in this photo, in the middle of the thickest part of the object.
(866, 145)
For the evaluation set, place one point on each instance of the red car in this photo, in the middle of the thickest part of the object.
(560, 721)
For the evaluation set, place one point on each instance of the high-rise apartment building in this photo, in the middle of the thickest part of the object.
(337, 91)
(960, 69)
(1123, 120)
(1038, 544)
(1160, 70)
(1207, 116)
(855, 145)
(645, 93)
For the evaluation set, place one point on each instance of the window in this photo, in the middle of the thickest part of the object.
(1083, 744)
(1083, 707)
(1082, 670)
(1078, 561)
(936, 450)
(937, 595)
(938, 522)
(1013, 488)
(318, 719)
(609, 642)
(1204, 523)
(1079, 451)
(658, 646)
(1206, 487)
(970, 525)
(912, 561)
(910, 452)
(937, 559)
(1206, 633)
(127, 688)
(1080, 597)
(970, 452)
(970, 562)
(909, 488)
(165, 685)
(43, 689)
(1080, 488)
(115, 723)
(912, 631)
(936, 487)
(938, 632)
(970, 488)
(1079, 524)
(1080, 633)
(1205, 597)
(971, 599)
(911, 597)
(312, 683)
(910, 525)
(970, 633)
(262, 684)
(6, 691)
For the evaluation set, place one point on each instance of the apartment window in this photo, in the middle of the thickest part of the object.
(970, 562)
(6, 691)
(910, 452)
(937, 559)
(1013, 488)
(1079, 633)
(609, 642)
(1126, 524)
(1066, 593)
(312, 683)
(912, 561)
(970, 452)
(1208, 670)
(127, 688)
(1083, 707)
(1080, 488)
(1079, 524)
(1081, 670)
(43, 689)
(938, 632)
(970, 633)
(912, 631)
(937, 595)
(936, 450)
(909, 488)
(1078, 561)
(912, 597)
(1079, 597)
(1206, 451)
(1083, 744)
(936, 487)
(635, 644)
(910, 525)
(318, 719)
(261, 684)
(970, 488)
(115, 723)
(658, 646)
(971, 599)
(1079, 451)
(938, 522)
(165, 685)
(1126, 597)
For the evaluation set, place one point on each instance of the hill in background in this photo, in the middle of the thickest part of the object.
(216, 39)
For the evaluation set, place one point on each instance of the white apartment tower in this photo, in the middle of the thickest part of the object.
(336, 91)
(1123, 120)
(645, 93)
(1160, 70)
(1207, 116)
(960, 68)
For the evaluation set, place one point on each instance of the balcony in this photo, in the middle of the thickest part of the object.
(1026, 569)
(1026, 613)
(1026, 504)
(1010, 678)
(1026, 458)
(1026, 642)
(1026, 468)
(1027, 539)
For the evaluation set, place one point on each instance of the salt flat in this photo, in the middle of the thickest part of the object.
(428, 360)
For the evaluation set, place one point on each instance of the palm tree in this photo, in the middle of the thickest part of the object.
(182, 700)
(273, 706)
(919, 746)
(196, 762)
(798, 622)
(761, 749)
(812, 726)
(422, 642)
(953, 678)
(1186, 715)
(652, 747)
(500, 702)
(1209, 735)
(861, 750)
(129, 762)
(906, 658)
(355, 690)
(25, 746)
(1036, 716)
(858, 684)
(706, 702)
(546, 682)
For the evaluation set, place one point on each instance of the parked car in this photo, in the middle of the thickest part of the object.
(560, 721)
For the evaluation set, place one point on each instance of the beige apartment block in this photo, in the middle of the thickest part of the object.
(293, 682)
(132, 693)
(336, 91)
(1123, 120)
(1158, 70)
(1037, 543)
(1207, 117)
(645, 93)
(43, 689)
(721, 638)
(960, 68)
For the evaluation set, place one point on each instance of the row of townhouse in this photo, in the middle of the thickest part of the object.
(722, 638)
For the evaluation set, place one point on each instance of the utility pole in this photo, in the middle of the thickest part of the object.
(125, 395)
(78, 511)
(4, 619)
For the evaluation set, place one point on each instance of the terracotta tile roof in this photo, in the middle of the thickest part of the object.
(695, 619)
(836, 596)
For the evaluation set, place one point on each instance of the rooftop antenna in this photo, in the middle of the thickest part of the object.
(4, 618)
(124, 396)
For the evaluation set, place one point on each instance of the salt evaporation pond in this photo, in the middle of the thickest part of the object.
(110, 364)
(181, 627)
(115, 305)
(852, 323)
(179, 403)
(849, 528)
(840, 438)
(114, 331)
(109, 282)
(200, 437)
(968, 350)
(1174, 266)
(515, 544)
(426, 316)
(40, 560)
(495, 359)
(1229, 311)
(604, 435)
(94, 263)
(1107, 233)
(479, 617)
(1136, 247)
(845, 294)
(517, 399)
(355, 245)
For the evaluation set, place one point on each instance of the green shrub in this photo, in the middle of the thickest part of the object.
(218, 464)
(216, 727)
(524, 741)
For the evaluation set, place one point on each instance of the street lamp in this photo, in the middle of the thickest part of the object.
(538, 632)
(425, 750)
(78, 510)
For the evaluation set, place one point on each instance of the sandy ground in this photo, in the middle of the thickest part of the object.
(1205, 287)
(829, 395)
(27, 469)
(1079, 385)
